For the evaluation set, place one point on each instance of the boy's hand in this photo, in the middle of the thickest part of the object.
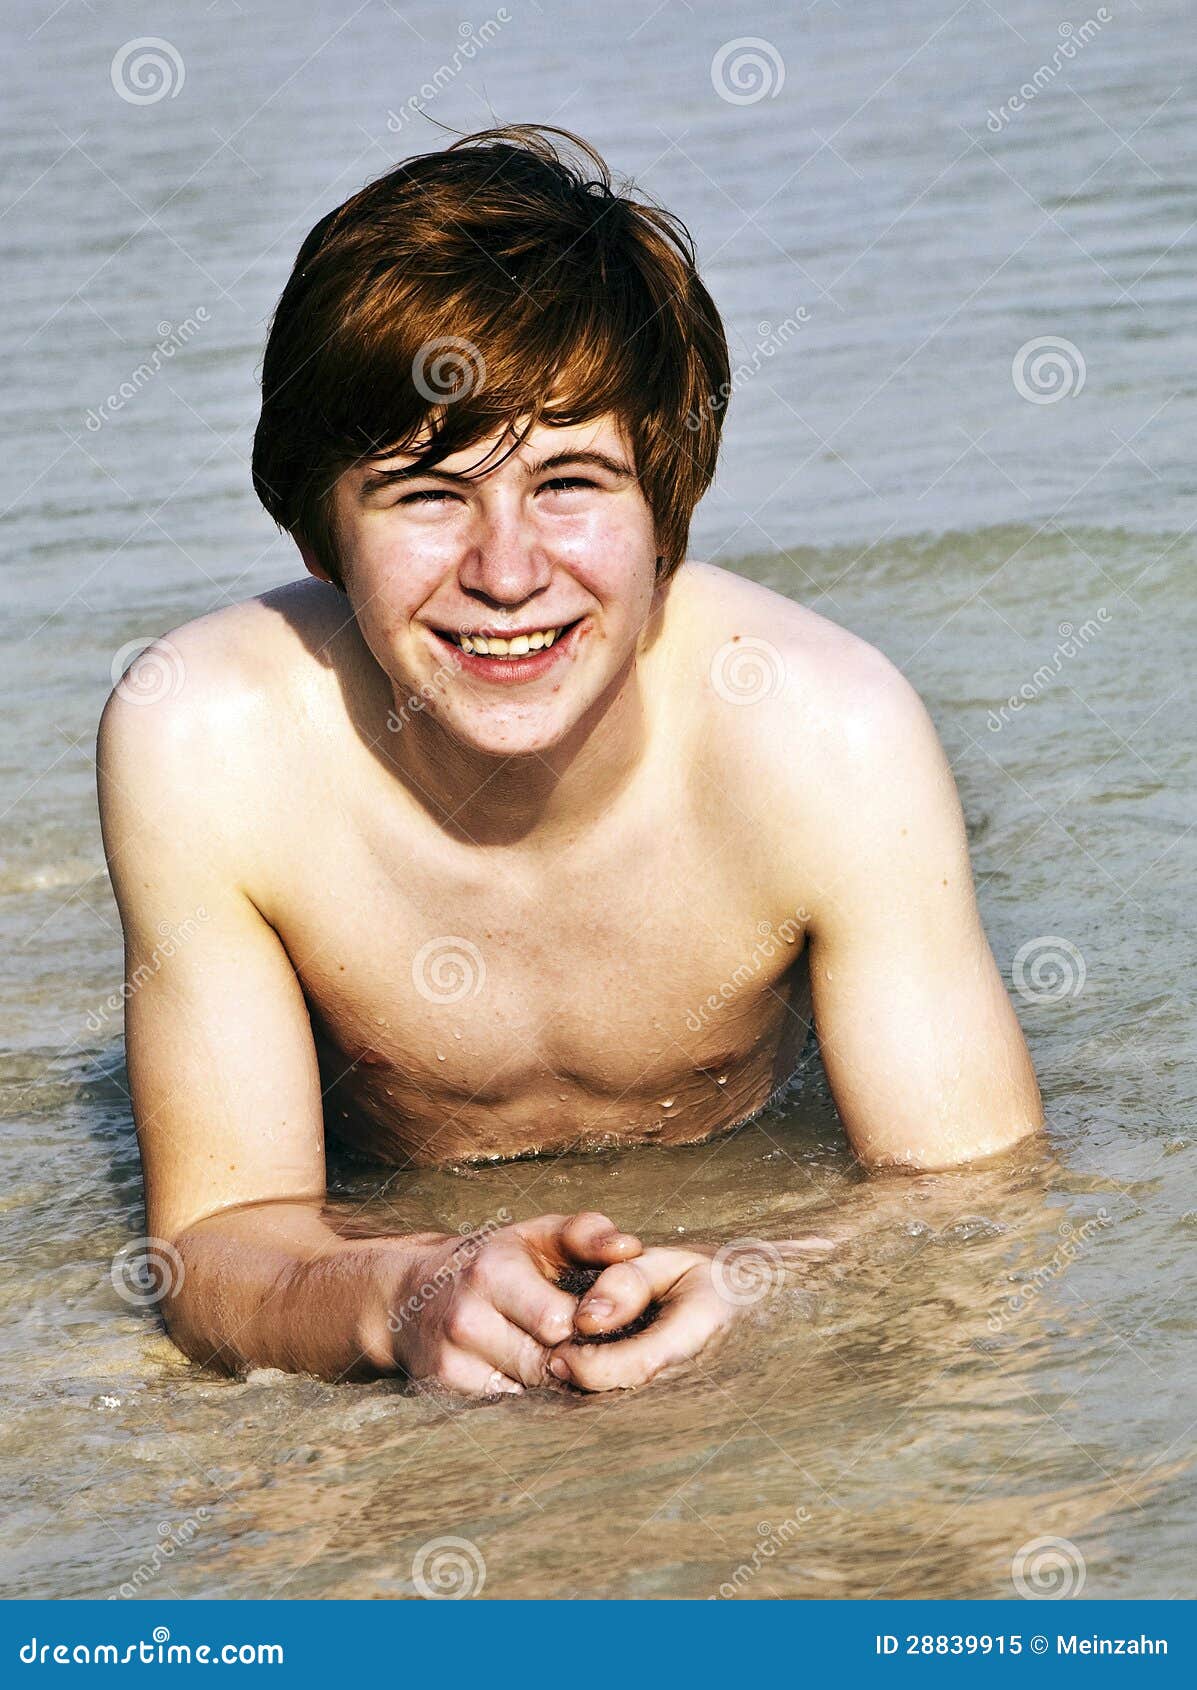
(480, 1315)
(698, 1293)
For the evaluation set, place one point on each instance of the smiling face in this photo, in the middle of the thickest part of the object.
(510, 598)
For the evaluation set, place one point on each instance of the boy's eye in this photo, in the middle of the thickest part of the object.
(563, 482)
(428, 493)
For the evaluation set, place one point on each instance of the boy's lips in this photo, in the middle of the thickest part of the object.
(507, 670)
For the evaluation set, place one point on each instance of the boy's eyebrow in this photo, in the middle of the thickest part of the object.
(379, 478)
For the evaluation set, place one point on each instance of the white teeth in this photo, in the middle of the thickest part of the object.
(494, 645)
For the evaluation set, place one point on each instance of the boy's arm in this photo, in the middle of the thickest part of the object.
(227, 1104)
(924, 1054)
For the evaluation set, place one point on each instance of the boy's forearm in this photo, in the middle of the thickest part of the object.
(275, 1286)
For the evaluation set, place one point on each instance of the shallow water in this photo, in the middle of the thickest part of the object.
(993, 1356)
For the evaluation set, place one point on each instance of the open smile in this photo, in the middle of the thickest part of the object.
(508, 657)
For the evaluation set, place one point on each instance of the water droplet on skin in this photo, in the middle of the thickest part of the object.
(440, 1056)
(722, 1080)
(457, 1032)
(668, 1102)
(561, 1097)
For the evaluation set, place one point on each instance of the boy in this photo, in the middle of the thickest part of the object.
(512, 830)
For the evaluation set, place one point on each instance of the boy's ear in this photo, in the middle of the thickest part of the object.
(310, 561)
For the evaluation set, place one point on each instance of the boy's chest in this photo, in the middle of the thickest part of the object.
(654, 995)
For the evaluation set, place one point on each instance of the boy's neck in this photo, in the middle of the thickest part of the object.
(532, 799)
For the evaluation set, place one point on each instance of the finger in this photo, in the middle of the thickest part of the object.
(512, 1282)
(479, 1329)
(595, 1238)
(679, 1333)
(619, 1294)
(474, 1376)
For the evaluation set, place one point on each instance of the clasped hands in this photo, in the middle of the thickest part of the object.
(495, 1320)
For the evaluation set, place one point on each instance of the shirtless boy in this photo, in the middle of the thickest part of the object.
(479, 829)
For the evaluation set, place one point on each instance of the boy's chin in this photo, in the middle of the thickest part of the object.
(508, 736)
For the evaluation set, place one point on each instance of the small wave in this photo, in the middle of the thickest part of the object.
(46, 877)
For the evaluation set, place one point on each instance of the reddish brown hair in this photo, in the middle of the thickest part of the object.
(470, 287)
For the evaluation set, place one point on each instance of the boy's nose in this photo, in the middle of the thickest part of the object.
(505, 563)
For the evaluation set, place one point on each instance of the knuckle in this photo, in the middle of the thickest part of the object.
(459, 1323)
(553, 1322)
(592, 1219)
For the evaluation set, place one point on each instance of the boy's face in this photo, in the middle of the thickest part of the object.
(555, 541)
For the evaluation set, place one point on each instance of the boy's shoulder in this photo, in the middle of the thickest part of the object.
(802, 720)
(780, 667)
(214, 702)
